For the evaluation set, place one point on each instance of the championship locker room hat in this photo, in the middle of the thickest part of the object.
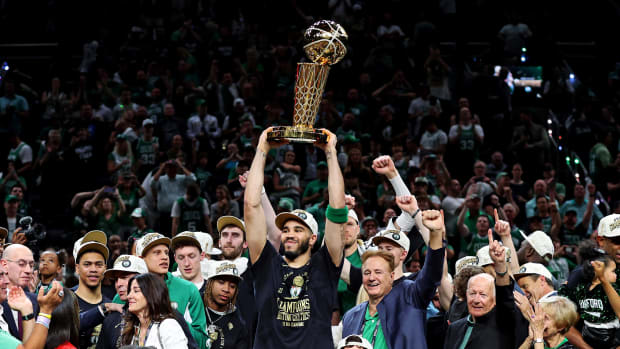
(354, 340)
(149, 240)
(224, 269)
(306, 218)
(540, 242)
(484, 257)
(94, 240)
(609, 226)
(186, 236)
(229, 220)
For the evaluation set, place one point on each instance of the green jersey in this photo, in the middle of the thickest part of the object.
(191, 217)
(185, 298)
(477, 242)
(346, 296)
(146, 150)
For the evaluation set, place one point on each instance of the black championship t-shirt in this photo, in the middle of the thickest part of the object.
(295, 304)
(89, 336)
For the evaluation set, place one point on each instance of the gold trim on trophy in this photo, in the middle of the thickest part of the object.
(324, 45)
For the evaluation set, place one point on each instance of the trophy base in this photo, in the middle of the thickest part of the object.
(296, 135)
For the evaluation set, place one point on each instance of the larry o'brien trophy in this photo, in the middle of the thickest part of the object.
(324, 46)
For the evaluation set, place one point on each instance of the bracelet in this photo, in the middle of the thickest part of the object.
(337, 215)
(415, 213)
(44, 321)
(49, 316)
(28, 317)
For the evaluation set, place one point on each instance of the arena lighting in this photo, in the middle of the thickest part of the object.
(523, 58)
(577, 161)
(560, 148)
(597, 202)
(549, 121)
(5, 66)
(523, 49)
(568, 160)
(571, 76)
(527, 89)
(550, 133)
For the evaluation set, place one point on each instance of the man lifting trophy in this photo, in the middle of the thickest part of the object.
(324, 46)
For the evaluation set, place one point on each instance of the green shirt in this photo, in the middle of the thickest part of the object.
(185, 298)
(347, 298)
(477, 242)
(370, 322)
(314, 187)
(7, 341)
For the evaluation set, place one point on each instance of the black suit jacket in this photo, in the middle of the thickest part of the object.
(8, 314)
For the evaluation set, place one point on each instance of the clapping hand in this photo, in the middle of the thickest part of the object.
(537, 322)
(50, 300)
(18, 301)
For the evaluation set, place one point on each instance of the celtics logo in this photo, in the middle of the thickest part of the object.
(126, 263)
(396, 236)
(522, 270)
(298, 282)
(302, 215)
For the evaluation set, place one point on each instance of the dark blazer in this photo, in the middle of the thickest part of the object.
(8, 314)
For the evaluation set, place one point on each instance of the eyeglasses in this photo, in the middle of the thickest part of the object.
(22, 263)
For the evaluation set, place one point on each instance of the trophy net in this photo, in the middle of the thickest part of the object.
(311, 78)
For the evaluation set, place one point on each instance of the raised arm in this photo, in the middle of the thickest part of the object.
(498, 255)
(502, 228)
(334, 232)
(385, 165)
(254, 213)
(610, 291)
(273, 233)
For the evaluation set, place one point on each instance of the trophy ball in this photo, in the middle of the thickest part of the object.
(324, 42)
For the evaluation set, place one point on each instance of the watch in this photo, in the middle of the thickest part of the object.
(539, 340)
(28, 317)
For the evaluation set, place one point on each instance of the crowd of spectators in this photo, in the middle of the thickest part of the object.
(157, 135)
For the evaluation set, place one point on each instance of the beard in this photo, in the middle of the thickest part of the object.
(234, 254)
(304, 245)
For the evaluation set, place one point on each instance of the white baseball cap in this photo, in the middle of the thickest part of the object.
(127, 264)
(540, 242)
(149, 240)
(206, 243)
(224, 268)
(137, 213)
(186, 236)
(356, 340)
(465, 261)
(392, 234)
(147, 121)
(299, 215)
(533, 269)
(484, 257)
(609, 226)
(353, 215)
(94, 240)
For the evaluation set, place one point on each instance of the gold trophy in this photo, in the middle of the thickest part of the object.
(324, 46)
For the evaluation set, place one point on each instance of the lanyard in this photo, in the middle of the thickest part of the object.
(145, 337)
(470, 328)
(374, 334)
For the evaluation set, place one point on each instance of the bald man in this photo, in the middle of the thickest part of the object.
(18, 262)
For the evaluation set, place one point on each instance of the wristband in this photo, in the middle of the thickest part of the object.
(49, 316)
(337, 215)
(28, 317)
(400, 188)
(44, 321)
(405, 221)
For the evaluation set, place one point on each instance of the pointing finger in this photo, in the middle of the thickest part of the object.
(496, 215)
(490, 237)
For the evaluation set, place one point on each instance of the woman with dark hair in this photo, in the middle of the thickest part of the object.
(64, 332)
(150, 320)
